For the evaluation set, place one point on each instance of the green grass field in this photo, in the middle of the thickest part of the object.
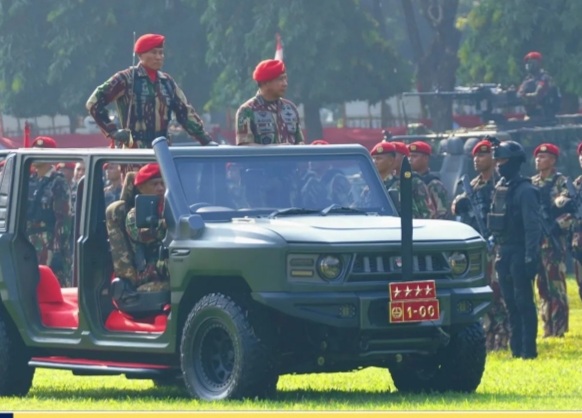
(552, 382)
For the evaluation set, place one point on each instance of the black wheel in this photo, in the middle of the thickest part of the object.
(222, 356)
(458, 367)
(15, 373)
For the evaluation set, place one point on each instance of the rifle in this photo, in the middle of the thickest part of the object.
(547, 230)
(477, 211)
(576, 198)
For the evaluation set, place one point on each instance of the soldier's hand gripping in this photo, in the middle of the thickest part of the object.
(121, 136)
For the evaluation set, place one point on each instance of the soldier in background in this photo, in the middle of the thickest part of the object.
(388, 158)
(541, 98)
(551, 279)
(420, 153)
(268, 118)
(49, 220)
(151, 265)
(576, 228)
(496, 322)
(514, 222)
(114, 178)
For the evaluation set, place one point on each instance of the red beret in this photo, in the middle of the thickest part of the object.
(268, 70)
(401, 148)
(419, 146)
(146, 173)
(579, 149)
(43, 142)
(320, 142)
(549, 148)
(383, 148)
(148, 42)
(533, 55)
(69, 164)
(482, 146)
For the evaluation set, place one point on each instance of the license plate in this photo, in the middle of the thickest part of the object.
(414, 310)
(425, 289)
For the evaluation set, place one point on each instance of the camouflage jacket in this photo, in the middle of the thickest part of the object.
(439, 195)
(422, 203)
(48, 214)
(146, 244)
(152, 104)
(483, 190)
(552, 188)
(261, 122)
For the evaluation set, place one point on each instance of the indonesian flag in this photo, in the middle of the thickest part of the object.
(26, 141)
(278, 48)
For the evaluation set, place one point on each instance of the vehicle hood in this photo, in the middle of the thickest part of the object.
(358, 229)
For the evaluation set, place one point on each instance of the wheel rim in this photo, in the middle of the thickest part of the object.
(214, 356)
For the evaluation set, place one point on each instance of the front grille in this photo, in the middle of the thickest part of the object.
(367, 266)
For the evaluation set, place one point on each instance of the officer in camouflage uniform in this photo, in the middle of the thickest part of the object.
(324, 185)
(514, 222)
(551, 279)
(114, 178)
(420, 153)
(151, 261)
(388, 158)
(496, 322)
(49, 221)
(576, 229)
(145, 98)
(268, 118)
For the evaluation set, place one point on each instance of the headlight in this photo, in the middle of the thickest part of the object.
(459, 263)
(329, 267)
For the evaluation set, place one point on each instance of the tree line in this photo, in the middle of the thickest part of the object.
(54, 54)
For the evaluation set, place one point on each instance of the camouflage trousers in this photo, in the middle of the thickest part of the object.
(154, 278)
(61, 264)
(578, 275)
(553, 299)
(495, 321)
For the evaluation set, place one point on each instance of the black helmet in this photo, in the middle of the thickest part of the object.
(509, 149)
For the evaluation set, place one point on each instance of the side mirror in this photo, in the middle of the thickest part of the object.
(146, 210)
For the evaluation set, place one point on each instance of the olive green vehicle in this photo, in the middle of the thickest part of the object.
(275, 268)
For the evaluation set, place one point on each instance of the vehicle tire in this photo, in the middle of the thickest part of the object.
(458, 367)
(222, 355)
(15, 373)
(464, 360)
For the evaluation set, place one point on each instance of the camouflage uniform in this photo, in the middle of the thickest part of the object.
(112, 193)
(151, 267)
(49, 223)
(262, 122)
(152, 104)
(576, 241)
(551, 280)
(495, 321)
(422, 204)
(318, 192)
(439, 195)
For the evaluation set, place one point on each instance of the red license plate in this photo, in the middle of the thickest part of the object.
(414, 310)
(425, 289)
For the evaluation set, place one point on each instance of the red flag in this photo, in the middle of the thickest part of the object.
(26, 135)
(278, 48)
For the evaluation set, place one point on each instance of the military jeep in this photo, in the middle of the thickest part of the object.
(282, 259)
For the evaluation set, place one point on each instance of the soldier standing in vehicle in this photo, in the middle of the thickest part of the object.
(145, 98)
(514, 222)
(388, 158)
(496, 323)
(151, 266)
(551, 279)
(268, 118)
(49, 220)
(420, 153)
(540, 96)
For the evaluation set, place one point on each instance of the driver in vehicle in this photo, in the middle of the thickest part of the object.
(151, 263)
